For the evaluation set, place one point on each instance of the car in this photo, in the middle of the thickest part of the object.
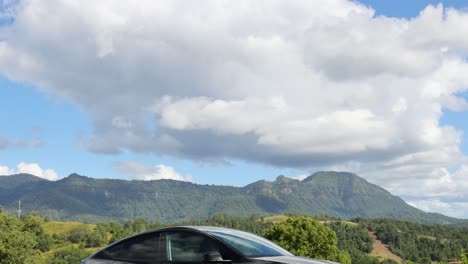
(196, 244)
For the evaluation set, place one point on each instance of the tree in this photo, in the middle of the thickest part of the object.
(68, 255)
(464, 257)
(78, 234)
(307, 237)
(17, 242)
(137, 226)
(95, 239)
(44, 242)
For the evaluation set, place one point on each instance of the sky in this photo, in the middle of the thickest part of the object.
(231, 92)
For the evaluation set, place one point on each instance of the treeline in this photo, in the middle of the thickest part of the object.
(419, 243)
(355, 240)
(252, 224)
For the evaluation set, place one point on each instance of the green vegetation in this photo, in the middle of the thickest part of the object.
(353, 239)
(419, 242)
(22, 240)
(84, 199)
(251, 224)
(115, 205)
(34, 240)
(68, 255)
(60, 228)
(307, 237)
(464, 257)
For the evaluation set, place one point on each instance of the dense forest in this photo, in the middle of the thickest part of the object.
(418, 242)
(34, 239)
(79, 198)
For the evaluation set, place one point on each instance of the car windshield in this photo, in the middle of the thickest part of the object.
(250, 245)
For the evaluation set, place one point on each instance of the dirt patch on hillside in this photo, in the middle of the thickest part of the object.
(381, 250)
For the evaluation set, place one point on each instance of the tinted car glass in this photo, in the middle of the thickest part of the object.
(188, 247)
(139, 249)
(250, 245)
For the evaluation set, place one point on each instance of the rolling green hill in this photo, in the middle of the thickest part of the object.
(81, 198)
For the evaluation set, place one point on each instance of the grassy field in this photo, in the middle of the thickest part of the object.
(60, 228)
(275, 218)
(280, 218)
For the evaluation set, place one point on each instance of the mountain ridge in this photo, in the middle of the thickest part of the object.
(77, 197)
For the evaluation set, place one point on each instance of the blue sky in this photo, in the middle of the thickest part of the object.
(408, 9)
(108, 95)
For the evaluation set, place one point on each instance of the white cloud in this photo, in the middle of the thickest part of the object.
(4, 171)
(139, 171)
(454, 209)
(292, 83)
(31, 168)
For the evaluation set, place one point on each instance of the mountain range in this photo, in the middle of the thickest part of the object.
(81, 198)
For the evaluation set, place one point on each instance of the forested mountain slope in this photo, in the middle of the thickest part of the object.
(76, 197)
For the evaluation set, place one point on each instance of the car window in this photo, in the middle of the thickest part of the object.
(188, 247)
(139, 249)
(249, 244)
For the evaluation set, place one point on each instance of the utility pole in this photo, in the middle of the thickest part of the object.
(19, 209)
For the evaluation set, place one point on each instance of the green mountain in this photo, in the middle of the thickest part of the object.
(76, 197)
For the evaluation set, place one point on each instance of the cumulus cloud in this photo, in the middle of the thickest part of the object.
(4, 171)
(294, 83)
(454, 209)
(139, 171)
(31, 168)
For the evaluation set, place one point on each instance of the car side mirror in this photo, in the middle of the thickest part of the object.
(214, 257)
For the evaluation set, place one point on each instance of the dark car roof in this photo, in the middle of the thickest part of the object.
(203, 229)
(210, 228)
(197, 228)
